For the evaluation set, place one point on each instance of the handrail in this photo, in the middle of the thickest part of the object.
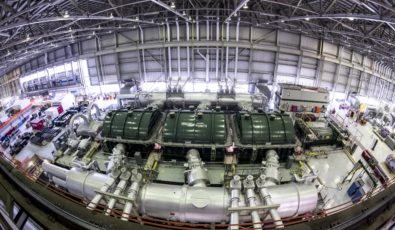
(180, 225)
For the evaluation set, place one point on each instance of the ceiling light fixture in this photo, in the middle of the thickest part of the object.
(137, 18)
(183, 13)
(245, 6)
(8, 52)
(307, 19)
(351, 18)
(27, 37)
(172, 5)
(70, 29)
(111, 15)
(134, 27)
(282, 21)
(66, 14)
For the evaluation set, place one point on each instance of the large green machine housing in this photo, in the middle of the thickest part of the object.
(135, 124)
(210, 131)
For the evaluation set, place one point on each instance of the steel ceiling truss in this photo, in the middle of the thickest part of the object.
(31, 27)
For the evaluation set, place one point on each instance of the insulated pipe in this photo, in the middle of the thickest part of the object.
(59, 182)
(273, 212)
(189, 203)
(235, 186)
(54, 170)
(89, 111)
(96, 200)
(184, 203)
(77, 115)
(120, 187)
(86, 183)
(197, 173)
(132, 194)
(249, 187)
(270, 178)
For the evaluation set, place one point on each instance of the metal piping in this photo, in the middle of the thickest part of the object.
(143, 53)
(54, 170)
(197, 173)
(217, 53)
(178, 53)
(236, 52)
(77, 115)
(207, 53)
(249, 187)
(270, 178)
(227, 54)
(98, 197)
(89, 111)
(124, 177)
(132, 194)
(169, 54)
(188, 61)
(184, 203)
(194, 202)
(235, 186)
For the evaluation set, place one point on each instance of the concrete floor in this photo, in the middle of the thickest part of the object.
(332, 170)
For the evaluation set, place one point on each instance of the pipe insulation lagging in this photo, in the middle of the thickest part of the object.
(85, 183)
(96, 200)
(294, 199)
(54, 170)
(191, 204)
(184, 203)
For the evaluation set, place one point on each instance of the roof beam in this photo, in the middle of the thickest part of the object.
(74, 3)
(241, 4)
(164, 5)
(8, 8)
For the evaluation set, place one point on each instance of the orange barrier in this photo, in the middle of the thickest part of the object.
(15, 116)
(167, 224)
